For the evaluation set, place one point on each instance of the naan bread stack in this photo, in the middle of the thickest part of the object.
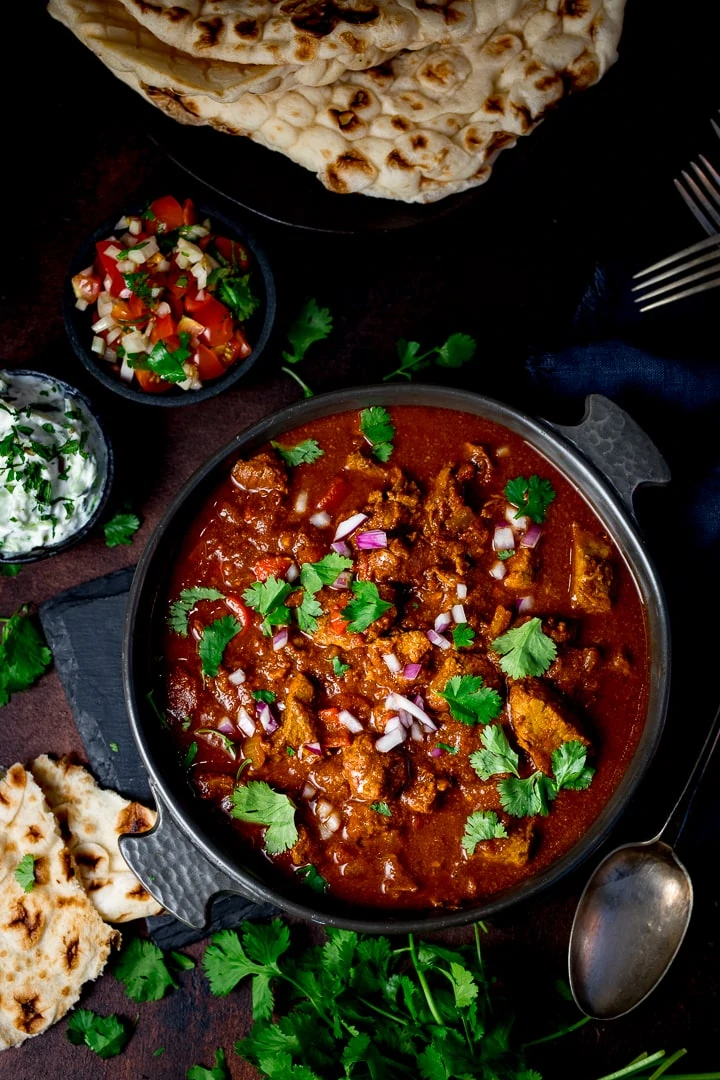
(400, 99)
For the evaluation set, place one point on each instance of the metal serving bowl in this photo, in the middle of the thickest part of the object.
(184, 861)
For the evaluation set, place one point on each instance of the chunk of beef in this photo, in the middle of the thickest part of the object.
(409, 647)
(183, 691)
(514, 849)
(520, 570)
(328, 777)
(441, 588)
(363, 823)
(357, 461)
(217, 787)
(421, 795)
(385, 564)
(541, 721)
(396, 878)
(445, 508)
(372, 776)
(261, 473)
(576, 672)
(592, 572)
(479, 457)
(299, 723)
(395, 505)
(499, 623)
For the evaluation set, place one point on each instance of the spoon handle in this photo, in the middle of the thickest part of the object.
(679, 814)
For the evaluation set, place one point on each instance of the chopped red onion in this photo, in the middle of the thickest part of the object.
(504, 538)
(301, 502)
(397, 701)
(443, 621)
(372, 540)
(436, 751)
(321, 520)
(245, 722)
(416, 732)
(458, 613)
(342, 581)
(341, 548)
(405, 718)
(349, 721)
(293, 572)
(523, 604)
(418, 700)
(280, 638)
(393, 724)
(498, 570)
(349, 525)
(461, 591)
(438, 639)
(411, 671)
(226, 726)
(531, 537)
(392, 662)
(308, 792)
(391, 740)
(266, 717)
(314, 748)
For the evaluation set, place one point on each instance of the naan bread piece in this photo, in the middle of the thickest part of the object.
(52, 940)
(429, 123)
(91, 818)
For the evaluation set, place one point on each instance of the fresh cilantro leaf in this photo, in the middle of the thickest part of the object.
(482, 825)
(219, 737)
(114, 747)
(314, 575)
(264, 695)
(23, 654)
(236, 294)
(213, 641)
(457, 350)
(497, 756)
(339, 668)
(121, 529)
(470, 701)
(258, 803)
(190, 754)
(312, 877)
(463, 635)
(308, 613)
(181, 608)
(381, 808)
(226, 962)
(160, 1050)
(570, 768)
(525, 650)
(106, 1035)
(165, 363)
(268, 599)
(307, 392)
(411, 359)
(505, 554)
(464, 986)
(25, 873)
(304, 453)
(218, 1072)
(312, 324)
(447, 747)
(532, 497)
(138, 282)
(526, 798)
(10, 569)
(142, 970)
(365, 608)
(378, 429)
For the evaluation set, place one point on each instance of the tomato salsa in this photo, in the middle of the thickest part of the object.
(405, 663)
(169, 297)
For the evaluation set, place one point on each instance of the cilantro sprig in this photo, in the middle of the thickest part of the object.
(25, 873)
(463, 635)
(218, 1072)
(365, 608)
(525, 650)
(303, 453)
(121, 529)
(166, 363)
(311, 324)
(215, 638)
(181, 608)
(531, 496)
(105, 1035)
(470, 701)
(379, 430)
(258, 804)
(146, 972)
(453, 353)
(24, 656)
(268, 599)
(235, 292)
(482, 825)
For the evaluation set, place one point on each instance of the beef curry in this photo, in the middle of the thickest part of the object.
(404, 661)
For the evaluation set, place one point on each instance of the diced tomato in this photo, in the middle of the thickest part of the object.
(163, 329)
(108, 266)
(338, 625)
(87, 286)
(151, 383)
(208, 364)
(240, 610)
(272, 566)
(214, 316)
(336, 734)
(168, 211)
(237, 348)
(132, 310)
(180, 282)
(189, 213)
(334, 495)
(233, 253)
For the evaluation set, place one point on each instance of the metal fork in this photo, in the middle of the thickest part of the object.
(695, 198)
(705, 254)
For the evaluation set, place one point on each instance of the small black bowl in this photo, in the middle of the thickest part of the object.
(78, 323)
(98, 442)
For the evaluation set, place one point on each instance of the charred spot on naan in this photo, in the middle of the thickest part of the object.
(28, 1017)
(320, 17)
(449, 12)
(247, 28)
(347, 120)
(575, 9)
(350, 171)
(173, 103)
(27, 920)
(210, 32)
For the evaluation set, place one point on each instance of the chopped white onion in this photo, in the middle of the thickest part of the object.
(126, 266)
(113, 251)
(330, 825)
(391, 740)
(438, 639)
(293, 572)
(81, 305)
(461, 591)
(107, 283)
(199, 272)
(155, 292)
(393, 663)
(162, 266)
(163, 308)
(188, 250)
(504, 538)
(321, 519)
(124, 294)
(394, 722)
(136, 342)
(110, 355)
(122, 223)
(498, 570)
(182, 262)
(98, 345)
(397, 701)
(245, 722)
(341, 548)
(200, 296)
(349, 721)
(135, 226)
(443, 621)
(105, 303)
(458, 613)
(301, 502)
(112, 335)
(137, 256)
(349, 525)
(105, 323)
(313, 748)
(308, 792)
(237, 677)
(126, 372)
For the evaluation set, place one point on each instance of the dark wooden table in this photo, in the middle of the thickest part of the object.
(509, 268)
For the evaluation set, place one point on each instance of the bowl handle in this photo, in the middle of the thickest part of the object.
(618, 447)
(175, 871)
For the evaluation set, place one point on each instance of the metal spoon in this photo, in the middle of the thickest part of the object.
(633, 914)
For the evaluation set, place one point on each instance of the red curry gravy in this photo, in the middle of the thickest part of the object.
(385, 829)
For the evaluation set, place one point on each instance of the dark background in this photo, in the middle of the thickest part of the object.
(509, 265)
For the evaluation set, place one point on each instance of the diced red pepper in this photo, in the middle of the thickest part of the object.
(240, 610)
(189, 213)
(335, 494)
(272, 566)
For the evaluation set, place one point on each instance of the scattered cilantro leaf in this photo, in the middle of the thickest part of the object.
(181, 608)
(365, 608)
(482, 825)
(165, 363)
(463, 635)
(213, 641)
(143, 971)
(308, 613)
(457, 350)
(121, 529)
(497, 756)
(264, 695)
(528, 797)
(218, 1072)
(268, 599)
(304, 453)
(256, 802)
(339, 668)
(447, 747)
(379, 430)
(10, 569)
(114, 747)
(381, 808)
(314, 575)
(506, 553)
(307, 392)
(236, 294)
(570, 768)
(138, 282)
(525, 650)
(23, 653)
(106, 1035)
(312, 877)
(531, 496)
(190, 754)
(470, 701)
(312, 324)
(25, 873)
(227, 961)
(453, 353)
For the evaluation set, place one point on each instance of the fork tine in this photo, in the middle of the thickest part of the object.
(700, 198)
(716, 128)
(714, 284)
(713, 189)
(686, 280)
(711, 256)
(701, 245)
